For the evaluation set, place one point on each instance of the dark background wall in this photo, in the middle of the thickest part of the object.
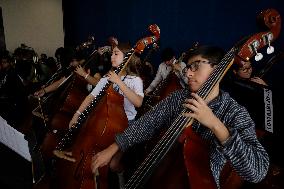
(210, 22)
(182, 22)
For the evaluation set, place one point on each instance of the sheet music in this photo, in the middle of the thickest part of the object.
(14, 139)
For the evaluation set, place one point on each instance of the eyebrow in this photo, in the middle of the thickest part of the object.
(197, 61)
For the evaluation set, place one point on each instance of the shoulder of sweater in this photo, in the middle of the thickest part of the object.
(234, 106)
(180, 94)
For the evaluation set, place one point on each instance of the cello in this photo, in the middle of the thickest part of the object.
(77, 89)
(202, 178)
(163, 89)
(168, 85)
(147, 68)
(94, 131)
(244, 90)
(74, 92)
(49, 104)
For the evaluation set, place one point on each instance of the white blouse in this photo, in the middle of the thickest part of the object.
(135, 83)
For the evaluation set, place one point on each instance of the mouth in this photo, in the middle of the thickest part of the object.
(191, 81)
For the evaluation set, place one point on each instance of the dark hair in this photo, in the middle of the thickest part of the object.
(238, 63)
(212, 53)
(8, 57)
(78, 55)
(134, 65)
(59, 51)
(167, 54)
(124, 47)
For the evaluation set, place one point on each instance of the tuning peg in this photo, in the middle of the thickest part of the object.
(268, 39)
(258, 56)
(270, 49)
(254, 46)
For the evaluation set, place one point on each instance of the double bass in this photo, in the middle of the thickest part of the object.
(168, 85)
(49, 104)
(195, 160)
(71, 95)
(147, 70)
(94, 130)
(257, 97)
(164, 88)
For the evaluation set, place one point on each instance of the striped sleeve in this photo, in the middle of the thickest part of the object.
(243, 150)
(147, 125)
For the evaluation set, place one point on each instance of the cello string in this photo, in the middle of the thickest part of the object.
(41, 112)
(152, 157)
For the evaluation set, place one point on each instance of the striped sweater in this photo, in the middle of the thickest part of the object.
(242, 149)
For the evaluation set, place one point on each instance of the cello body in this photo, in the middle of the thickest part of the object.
(186, 166)
(59, 122)
(171, 173)
(172, 85)
(107, 119)
(164, 88)
(168, 85)
(196, 158)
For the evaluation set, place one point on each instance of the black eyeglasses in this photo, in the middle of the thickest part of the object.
(194, 66)
(245, 69)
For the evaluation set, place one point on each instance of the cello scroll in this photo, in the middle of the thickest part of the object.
(272, 20)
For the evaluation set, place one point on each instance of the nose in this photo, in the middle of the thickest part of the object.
(189, 73)
(112, 57)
